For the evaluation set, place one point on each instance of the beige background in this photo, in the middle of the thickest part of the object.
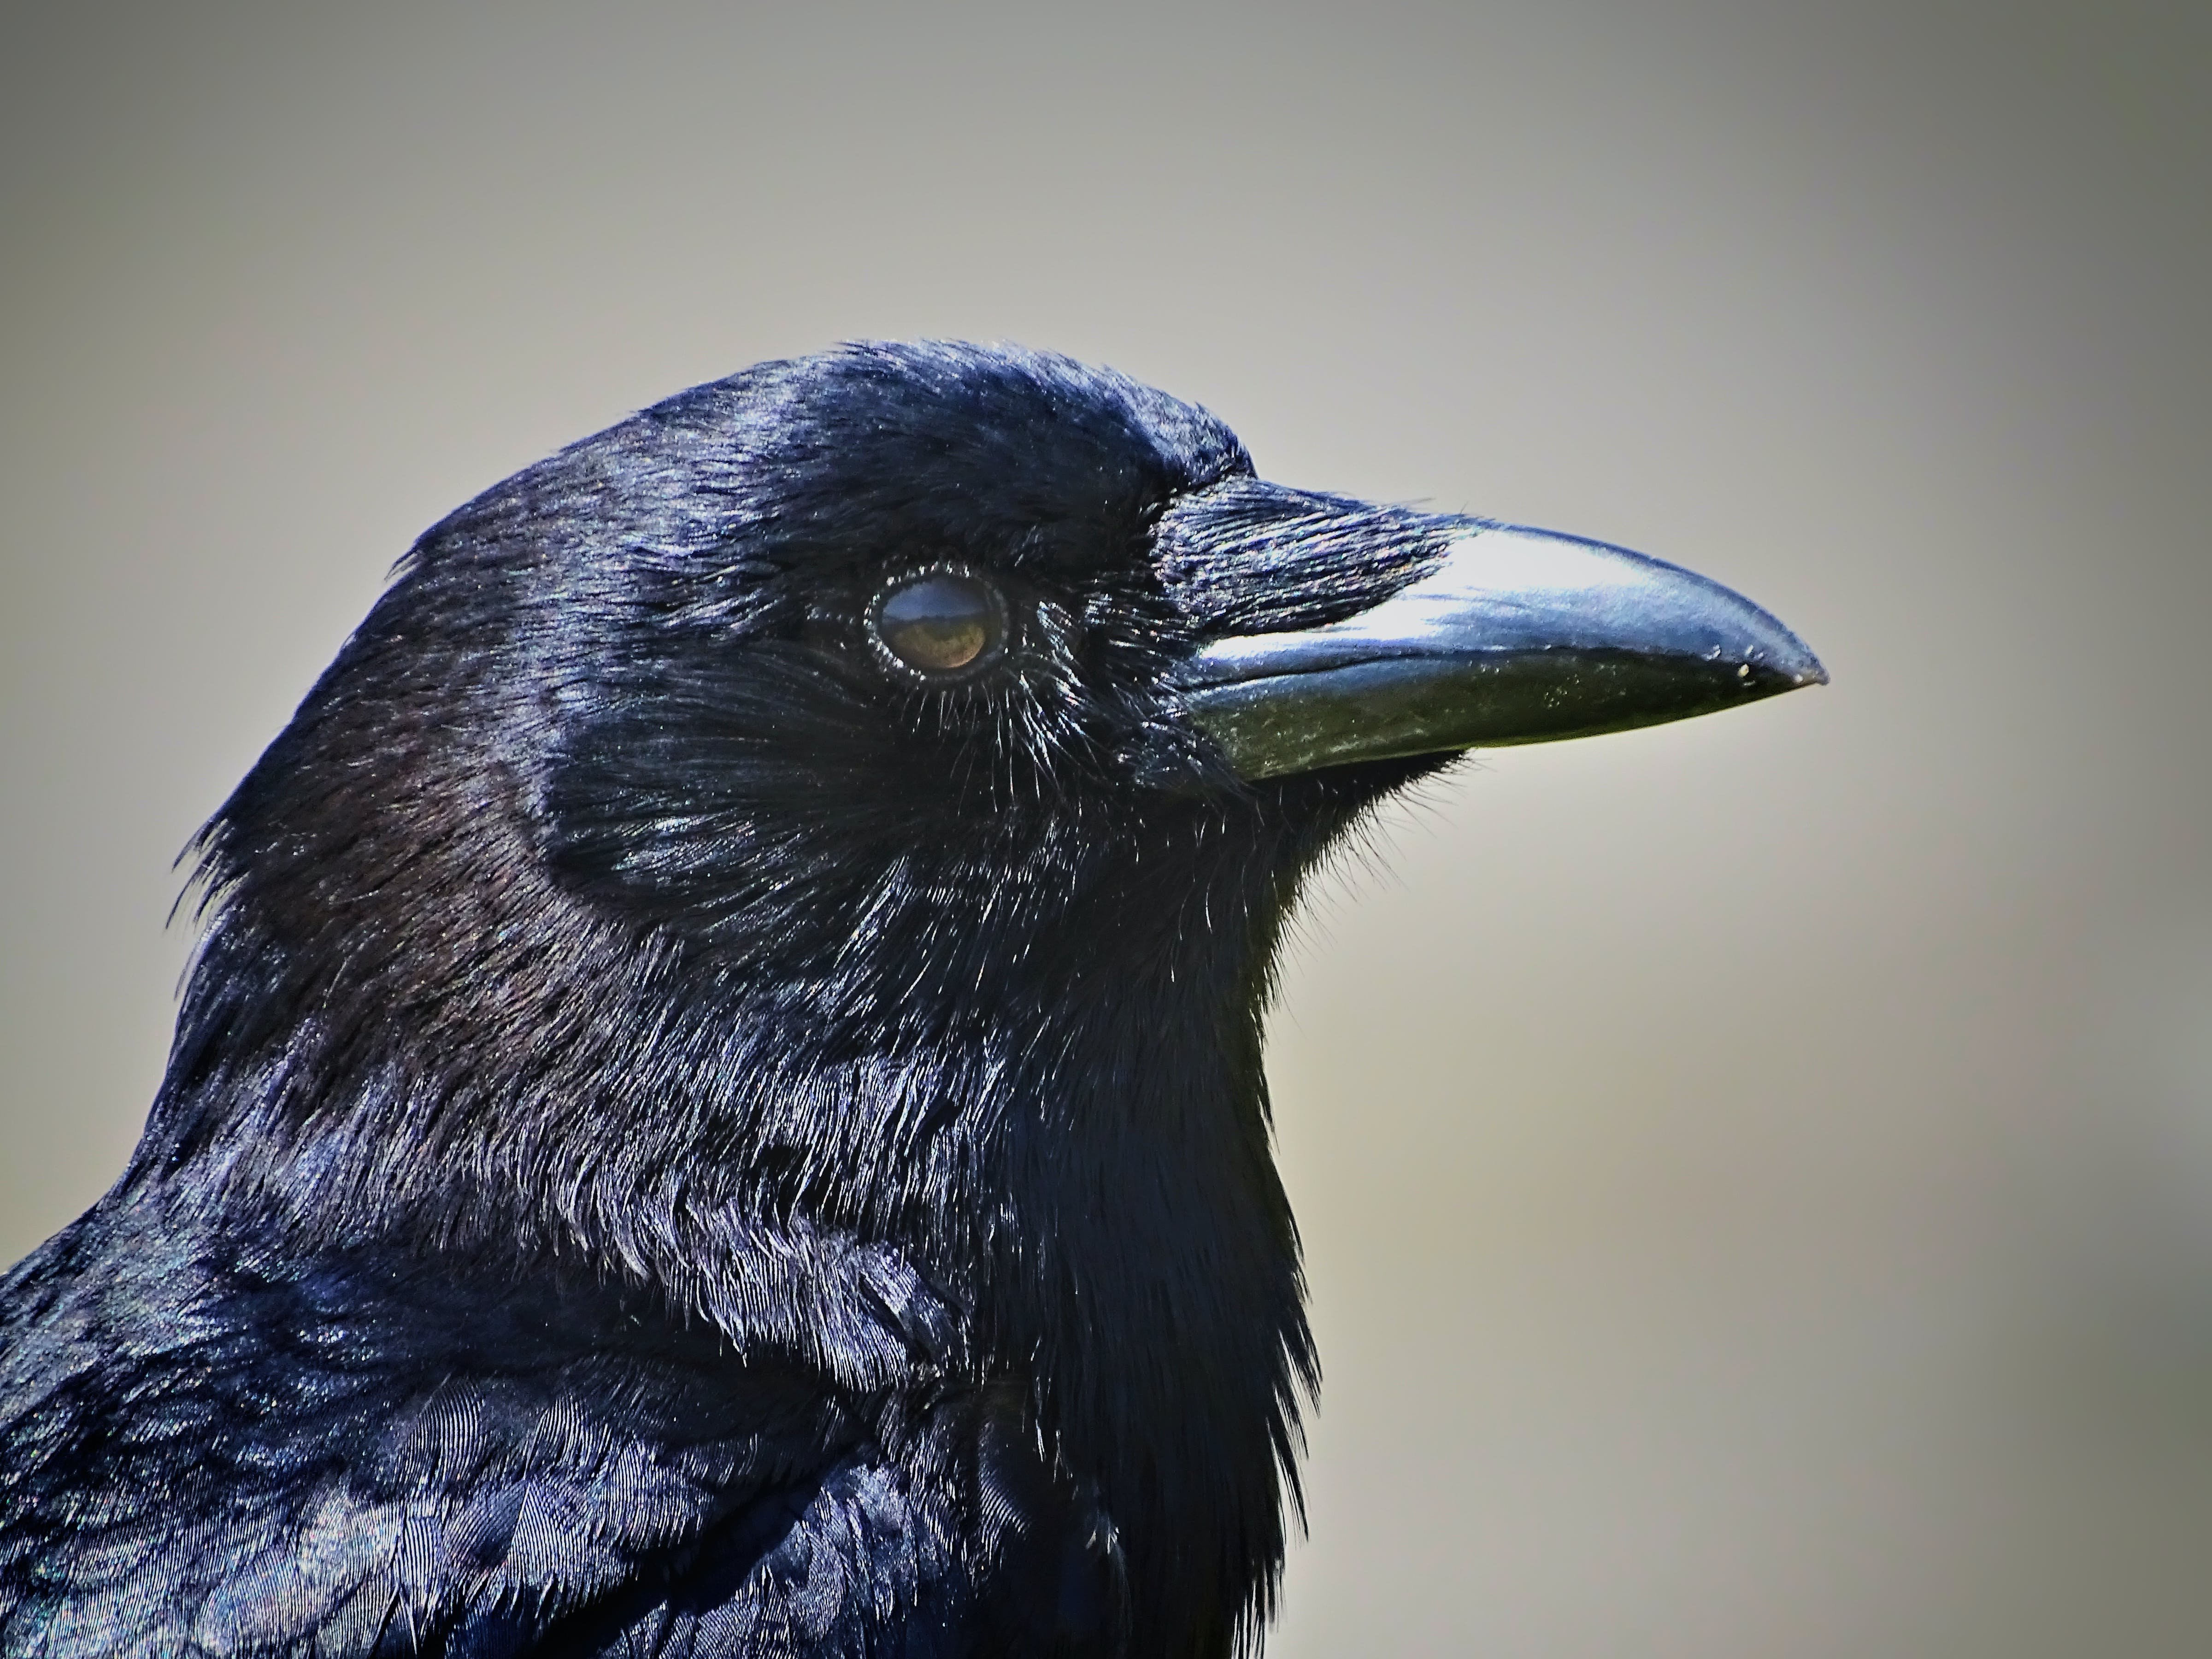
(1757, 1173)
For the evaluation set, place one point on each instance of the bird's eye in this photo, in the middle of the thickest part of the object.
(941, 625)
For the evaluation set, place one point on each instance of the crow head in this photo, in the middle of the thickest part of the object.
(861, 796)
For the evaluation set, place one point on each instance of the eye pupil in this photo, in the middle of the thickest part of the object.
(939, 622)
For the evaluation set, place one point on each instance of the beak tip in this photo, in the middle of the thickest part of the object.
(1778, 662)
(1807, 670)
(1789, 677)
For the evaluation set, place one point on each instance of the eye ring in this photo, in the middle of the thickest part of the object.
(939, 624)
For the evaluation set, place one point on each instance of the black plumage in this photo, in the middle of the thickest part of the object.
(689, 1133)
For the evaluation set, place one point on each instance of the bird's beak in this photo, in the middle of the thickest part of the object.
(1512, 636)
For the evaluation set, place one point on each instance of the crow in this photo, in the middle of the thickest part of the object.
(718, 1107)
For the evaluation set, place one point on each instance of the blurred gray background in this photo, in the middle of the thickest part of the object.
(1756, 1173)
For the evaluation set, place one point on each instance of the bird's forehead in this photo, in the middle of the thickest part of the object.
(991, 449)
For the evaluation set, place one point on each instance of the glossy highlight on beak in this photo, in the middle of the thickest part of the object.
(1515, 636)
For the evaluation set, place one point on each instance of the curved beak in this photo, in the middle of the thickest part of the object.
(1513, 635)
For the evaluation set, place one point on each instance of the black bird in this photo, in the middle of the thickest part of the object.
(719, 1106)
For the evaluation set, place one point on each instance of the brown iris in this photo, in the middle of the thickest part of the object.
(942, 623)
